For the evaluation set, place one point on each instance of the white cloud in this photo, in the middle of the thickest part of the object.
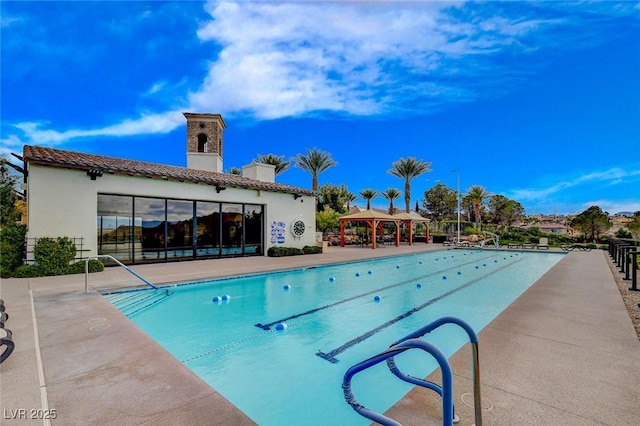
(32, 132)
(611, 176)
(288, 59)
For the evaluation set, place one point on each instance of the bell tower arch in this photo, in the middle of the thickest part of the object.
(204, 141)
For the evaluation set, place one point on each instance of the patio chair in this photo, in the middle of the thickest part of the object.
(543, 243)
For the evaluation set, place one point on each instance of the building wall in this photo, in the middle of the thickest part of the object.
(63, 202)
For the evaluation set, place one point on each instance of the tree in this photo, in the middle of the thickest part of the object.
(390, 195)
(634, 225)
(331, 196)
(274, 160)
(477, 195)
(314, 162)
(440, 202)
(368, 194)
(9, 214)
(327, 220)
(505, 211)
(235, 171)
(592, 222)
(407, 169)
(347, 196)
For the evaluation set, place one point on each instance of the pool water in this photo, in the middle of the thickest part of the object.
(331, 321)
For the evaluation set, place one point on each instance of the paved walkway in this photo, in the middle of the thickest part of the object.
(563, 353)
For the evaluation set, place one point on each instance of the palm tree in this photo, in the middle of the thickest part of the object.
(391, 194)
(274, 160)
(235, 171)
(315, 162)
(368, 194)
(348, 196)
(477, 194)
(407, 169)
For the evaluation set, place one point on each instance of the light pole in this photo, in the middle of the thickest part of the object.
(458, 172)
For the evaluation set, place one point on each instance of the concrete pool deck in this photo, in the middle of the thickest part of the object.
(565, 352)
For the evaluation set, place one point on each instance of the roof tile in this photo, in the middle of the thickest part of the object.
(77, 160)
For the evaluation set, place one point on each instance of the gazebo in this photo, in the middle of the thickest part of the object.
(374, 219)
(409, 219)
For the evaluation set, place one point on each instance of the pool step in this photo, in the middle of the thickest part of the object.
(133, 302)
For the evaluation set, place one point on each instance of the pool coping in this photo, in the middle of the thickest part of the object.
(95, 365)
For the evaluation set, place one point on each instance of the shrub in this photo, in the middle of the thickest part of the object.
(12, 248)
(311, 249)
(78, 268)
(53, 255)
(283, 251)
(27, 271)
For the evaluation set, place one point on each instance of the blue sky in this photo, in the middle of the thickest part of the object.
(539, 102)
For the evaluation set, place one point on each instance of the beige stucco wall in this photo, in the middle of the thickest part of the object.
(63, 202)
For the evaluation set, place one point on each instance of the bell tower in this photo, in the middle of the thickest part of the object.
(204, 141)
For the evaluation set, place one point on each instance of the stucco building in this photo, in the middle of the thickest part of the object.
(146, 212)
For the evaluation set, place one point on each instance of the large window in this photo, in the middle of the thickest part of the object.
(207, 229)
(115, 230)
(143, 229)
(232, 229)
(150, 229)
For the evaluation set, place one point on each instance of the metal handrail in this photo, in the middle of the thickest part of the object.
(475, 358)
(447, 381)
(131, 271)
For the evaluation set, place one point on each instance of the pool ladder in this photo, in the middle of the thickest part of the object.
(414, 341)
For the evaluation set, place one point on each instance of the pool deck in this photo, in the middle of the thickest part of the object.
(565, 352)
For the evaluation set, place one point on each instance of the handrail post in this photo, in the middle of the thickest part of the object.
(634, 270)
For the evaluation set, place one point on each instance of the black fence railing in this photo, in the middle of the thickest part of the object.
(624, 254)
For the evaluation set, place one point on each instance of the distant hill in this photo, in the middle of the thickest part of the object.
(627, 214)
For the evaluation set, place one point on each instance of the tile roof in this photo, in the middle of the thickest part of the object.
(81, 161)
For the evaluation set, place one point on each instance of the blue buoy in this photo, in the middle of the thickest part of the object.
(287, 287)
(226, 297)
(484, 264)
(444, 277)
(419, 285)
(477, 267)
(369, 272)
(495, 261)
(332, 279)
(357, 274)
(377, 298)
(216, 299)
(459, 273)
(281, 326)
(397, 266)
(420, 262)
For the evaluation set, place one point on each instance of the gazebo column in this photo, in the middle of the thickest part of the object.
(397, 233)
(427, 237)
(342, 233)
(409, 223)
(374, 226)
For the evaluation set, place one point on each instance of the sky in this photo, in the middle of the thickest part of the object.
(536, 101)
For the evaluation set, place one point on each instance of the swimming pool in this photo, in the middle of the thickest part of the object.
(333, 321)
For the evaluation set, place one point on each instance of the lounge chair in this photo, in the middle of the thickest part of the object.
(543, 243)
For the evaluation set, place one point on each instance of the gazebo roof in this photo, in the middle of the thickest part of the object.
(410, 216)
(369, 215)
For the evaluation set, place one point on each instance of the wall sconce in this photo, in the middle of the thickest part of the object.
(296, 196)
(220, 188)
(94, 173)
